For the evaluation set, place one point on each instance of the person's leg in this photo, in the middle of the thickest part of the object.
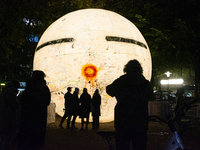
(62, 120)
(139, 140)
(97, 122)
(68, 121)
(122, 140)
(82, 121)
(93, 122)
(73, 121)
(87, 122)
(36, 148)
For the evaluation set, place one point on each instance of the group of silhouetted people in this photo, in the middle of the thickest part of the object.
(31, 119)
(8, 114)
(132, 92)
(75, 106)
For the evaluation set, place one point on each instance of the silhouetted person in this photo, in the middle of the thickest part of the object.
(8, 114)
(75, 107)
(85, 108)
(132, 92)
(34, 101)
(68, 100)
(96, 102)
(180, 100)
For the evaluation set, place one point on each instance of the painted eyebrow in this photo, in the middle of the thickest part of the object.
(125, 40)
(108, 38)
(64, 40)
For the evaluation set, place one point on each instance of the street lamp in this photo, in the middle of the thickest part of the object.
(168, 75)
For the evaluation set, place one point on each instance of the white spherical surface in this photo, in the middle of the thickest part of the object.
(88, 49)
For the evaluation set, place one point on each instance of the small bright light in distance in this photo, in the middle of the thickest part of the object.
(172, 81)
(168, 73)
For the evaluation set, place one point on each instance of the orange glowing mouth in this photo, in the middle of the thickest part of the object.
(89, 71)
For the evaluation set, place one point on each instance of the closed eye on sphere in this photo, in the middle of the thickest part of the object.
(108, 38)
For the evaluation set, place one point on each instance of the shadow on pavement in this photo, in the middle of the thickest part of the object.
(66, 139)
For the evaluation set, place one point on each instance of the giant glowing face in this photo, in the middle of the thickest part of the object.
(89, 48)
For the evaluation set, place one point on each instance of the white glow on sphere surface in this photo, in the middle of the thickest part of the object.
(89, 48)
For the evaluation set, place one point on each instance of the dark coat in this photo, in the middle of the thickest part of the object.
(132, 92)
(34, 102)
(75, 104)
(96, 103)
(179, 102)
(68, 103)
(85, 108)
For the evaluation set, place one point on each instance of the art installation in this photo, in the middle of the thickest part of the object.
(88, 49)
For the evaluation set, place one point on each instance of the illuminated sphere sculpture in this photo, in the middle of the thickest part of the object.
(89, 48)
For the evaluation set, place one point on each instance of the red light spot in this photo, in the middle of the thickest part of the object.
(89, 71)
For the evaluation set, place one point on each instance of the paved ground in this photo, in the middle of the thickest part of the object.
(64, 139)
